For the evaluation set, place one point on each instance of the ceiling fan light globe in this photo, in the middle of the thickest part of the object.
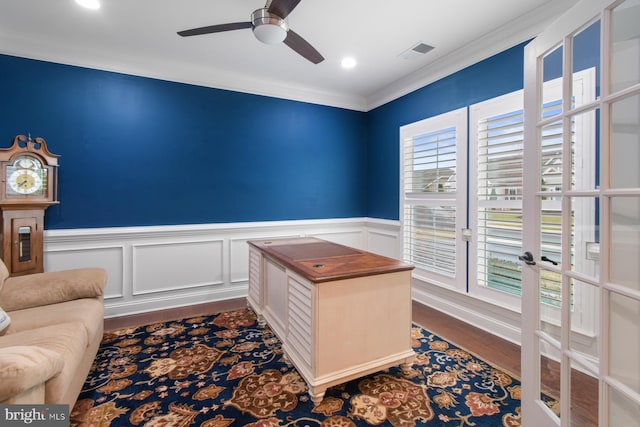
(270, 34)
(268, 28)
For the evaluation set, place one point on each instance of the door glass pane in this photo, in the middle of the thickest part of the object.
(550, 241)
(625, 142)
(625, 45)
(624, 341)
(584, 151)
(584, 397)
(585, 238)
(625, 241)
(550, 375)
(499, 245)
(551, 157)
(585, 309)
(552, 70)
(586, 56)
(622, 411)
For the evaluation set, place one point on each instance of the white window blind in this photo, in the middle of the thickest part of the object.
(433, 197)
(499, 198)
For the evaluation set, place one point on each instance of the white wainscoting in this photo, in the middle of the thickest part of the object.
(155, 268)
(161, 267)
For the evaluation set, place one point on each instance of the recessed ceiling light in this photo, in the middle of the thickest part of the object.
(89, 4)
(348, 62)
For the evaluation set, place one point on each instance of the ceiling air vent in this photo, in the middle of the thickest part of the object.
(416, 51)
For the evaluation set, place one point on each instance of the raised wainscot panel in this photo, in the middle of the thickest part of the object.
(352, 238)
(383, 243)
(177, 266)
(110, 258)
(238, 258)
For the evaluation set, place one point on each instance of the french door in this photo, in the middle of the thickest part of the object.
(581, 216)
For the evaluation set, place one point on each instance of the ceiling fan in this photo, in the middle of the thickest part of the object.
(269, 26)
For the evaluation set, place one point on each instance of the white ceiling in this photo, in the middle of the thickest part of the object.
(139, 37)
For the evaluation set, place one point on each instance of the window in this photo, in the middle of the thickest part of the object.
(434, 188)
(436, 205)
(496, 160)
(495, 153)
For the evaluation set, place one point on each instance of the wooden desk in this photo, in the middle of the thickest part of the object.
(340, 313)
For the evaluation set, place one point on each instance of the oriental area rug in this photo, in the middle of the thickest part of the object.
(228, 370)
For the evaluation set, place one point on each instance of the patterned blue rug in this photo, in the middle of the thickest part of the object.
(227, 370)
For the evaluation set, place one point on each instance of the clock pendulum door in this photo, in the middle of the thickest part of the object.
(22, 232)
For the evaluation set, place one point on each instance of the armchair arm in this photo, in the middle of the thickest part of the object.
(52, 287)
(24, 367)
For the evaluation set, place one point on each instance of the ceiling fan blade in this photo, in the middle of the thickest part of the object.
(301, 46)
(215, 29)
(282, 8)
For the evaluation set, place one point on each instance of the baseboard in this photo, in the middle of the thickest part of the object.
(468, 310)
(164, 303)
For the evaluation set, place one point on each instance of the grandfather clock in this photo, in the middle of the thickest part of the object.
(29, 186)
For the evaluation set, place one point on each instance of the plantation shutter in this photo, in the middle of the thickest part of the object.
(433, 197)
(498, 153)
(500, 149)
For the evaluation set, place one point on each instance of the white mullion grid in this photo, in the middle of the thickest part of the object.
(531, 207)
(549, 339)
(622, 290)
(588, 366)
(583, 278)
(605, 213)
(608, 194)
(621, 94)
(565, 291)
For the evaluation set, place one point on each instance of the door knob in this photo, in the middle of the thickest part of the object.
(544, 258)
(527, 257)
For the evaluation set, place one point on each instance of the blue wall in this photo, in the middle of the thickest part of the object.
(495, 76)
(140, 151)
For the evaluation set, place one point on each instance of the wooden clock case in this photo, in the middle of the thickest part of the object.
(22, 227)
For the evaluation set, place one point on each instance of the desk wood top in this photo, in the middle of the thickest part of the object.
(322, 261)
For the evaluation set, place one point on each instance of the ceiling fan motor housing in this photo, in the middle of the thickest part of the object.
(268, 27)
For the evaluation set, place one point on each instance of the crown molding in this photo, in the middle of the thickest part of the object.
(50, 51)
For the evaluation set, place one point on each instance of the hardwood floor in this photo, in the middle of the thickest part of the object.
(506, 355)
(496, 351)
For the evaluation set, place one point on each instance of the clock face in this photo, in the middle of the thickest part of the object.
(25, 181)
(26, 177)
